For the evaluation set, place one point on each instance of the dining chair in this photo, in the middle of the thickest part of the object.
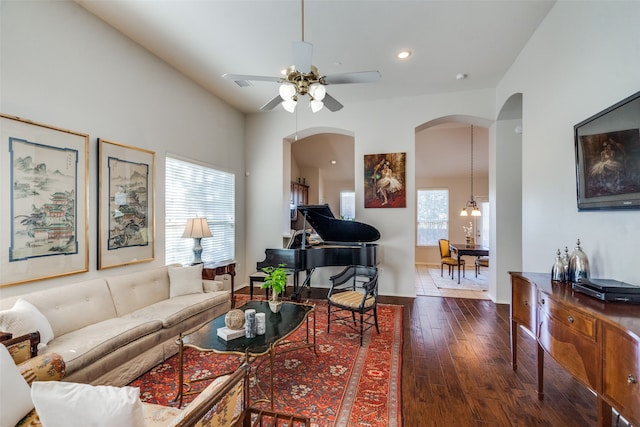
(446, 258)
(481, 261)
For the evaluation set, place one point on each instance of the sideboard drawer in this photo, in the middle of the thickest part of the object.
(621, 367)
(576, 353)
(573, 319)
(523, 303)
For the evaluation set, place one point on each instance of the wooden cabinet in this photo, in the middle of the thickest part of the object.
(597, 342)
(523, 312)
(299, 196)
(621, 368)
(569, 336)
(523, 303)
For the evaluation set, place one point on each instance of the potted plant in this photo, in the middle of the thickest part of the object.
(276, 280)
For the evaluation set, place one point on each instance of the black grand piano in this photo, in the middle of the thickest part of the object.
(343, 243)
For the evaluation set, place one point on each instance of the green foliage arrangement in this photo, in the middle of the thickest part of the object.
(276, 280)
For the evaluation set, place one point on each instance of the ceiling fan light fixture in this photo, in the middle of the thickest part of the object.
(316, 105)
(317, 91)
(289, 105)
(287, 91)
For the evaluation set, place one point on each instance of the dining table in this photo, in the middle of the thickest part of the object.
(461, 249)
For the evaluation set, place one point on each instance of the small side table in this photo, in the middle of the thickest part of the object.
(210, 271)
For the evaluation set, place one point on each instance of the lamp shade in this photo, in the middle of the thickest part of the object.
(197, 228)
(317, 91)
(316, 105)
(287, 91)
(289, 105)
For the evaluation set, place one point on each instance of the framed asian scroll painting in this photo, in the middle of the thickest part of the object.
(126, 200)
(43, 201)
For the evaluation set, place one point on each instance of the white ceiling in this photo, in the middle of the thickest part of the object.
(207, 38)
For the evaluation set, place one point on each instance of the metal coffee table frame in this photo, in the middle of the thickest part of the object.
(279, 327)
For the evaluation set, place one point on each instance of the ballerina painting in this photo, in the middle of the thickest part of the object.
(384, 180)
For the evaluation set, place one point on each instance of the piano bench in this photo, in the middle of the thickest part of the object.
(258, 276)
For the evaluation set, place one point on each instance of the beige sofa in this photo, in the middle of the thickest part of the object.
(111, 330)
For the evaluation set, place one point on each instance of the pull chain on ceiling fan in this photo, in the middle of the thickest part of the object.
(303, 78)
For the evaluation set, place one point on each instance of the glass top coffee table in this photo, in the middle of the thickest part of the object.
(278, 327)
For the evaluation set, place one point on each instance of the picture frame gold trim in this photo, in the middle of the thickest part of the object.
(126, 198)
(44, 201)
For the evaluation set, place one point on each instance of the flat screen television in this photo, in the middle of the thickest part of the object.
(607, 147)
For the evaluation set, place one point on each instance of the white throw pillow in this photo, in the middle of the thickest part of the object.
(64, 404)
(185, 280)
(15, 395)
(24, 318)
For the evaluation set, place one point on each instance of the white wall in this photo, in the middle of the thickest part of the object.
(584, 57)
(64, 67)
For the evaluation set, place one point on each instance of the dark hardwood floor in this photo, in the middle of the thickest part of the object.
(456, 369)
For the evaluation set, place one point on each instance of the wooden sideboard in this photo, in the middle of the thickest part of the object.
(597, 342)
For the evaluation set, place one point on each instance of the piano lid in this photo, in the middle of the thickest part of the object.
(332, 229)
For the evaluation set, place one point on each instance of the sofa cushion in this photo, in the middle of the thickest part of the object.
(84, 346)
(64, 404)
(175, 310)
(185, 280)
(15, 395)
(73, 306)
(133, 291)
(24, 318)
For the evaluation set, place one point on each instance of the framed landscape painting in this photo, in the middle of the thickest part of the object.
(126, 223)
(44, 201)
(384, 180)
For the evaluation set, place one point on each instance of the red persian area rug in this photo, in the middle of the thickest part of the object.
(344, 385)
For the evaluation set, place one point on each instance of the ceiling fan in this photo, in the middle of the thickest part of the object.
(302, 78)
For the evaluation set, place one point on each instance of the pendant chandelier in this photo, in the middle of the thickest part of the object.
(471, 204)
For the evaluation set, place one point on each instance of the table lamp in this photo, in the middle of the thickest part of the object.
(197, 228)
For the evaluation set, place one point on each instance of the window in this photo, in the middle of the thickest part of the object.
(433, 217)
(195, 190)
(348, 205)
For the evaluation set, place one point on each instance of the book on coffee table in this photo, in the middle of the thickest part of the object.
(230, 334)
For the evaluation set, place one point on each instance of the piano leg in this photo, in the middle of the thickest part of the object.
(297, 288)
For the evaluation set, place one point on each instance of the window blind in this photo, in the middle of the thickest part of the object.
(195, 190)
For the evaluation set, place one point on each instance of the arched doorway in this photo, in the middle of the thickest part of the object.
(444, 182)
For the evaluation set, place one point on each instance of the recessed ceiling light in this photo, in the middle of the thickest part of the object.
(333, 162)
(404, 54)
(461, 76)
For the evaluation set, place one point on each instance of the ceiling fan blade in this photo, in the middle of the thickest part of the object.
(331, 103)
(273, 103)
(243, 80)
(357, 77)
(302, 52)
